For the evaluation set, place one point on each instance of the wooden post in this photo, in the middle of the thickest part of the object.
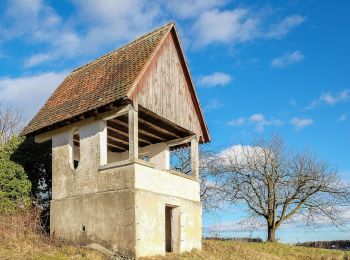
(103, 142)
(133, 133)
(195, 158)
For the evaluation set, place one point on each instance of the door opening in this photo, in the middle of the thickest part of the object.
(168, 229)
(172, 228)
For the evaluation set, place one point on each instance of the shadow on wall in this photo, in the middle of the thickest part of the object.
(36, 160)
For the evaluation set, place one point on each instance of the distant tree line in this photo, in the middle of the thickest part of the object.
(243, 239)
(334, 244)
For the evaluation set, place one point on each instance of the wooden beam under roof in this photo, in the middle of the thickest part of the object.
(157, 128)
(118, 144)
(181, 141)
(117, 139)
(122, 129)
(115, 134)
(114, 149)
(119, 135)
(167, 125)
(143, 134)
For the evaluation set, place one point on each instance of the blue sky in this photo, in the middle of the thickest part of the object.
(260, 67)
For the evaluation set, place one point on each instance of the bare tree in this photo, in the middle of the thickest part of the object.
(211, 189)
(180, 160)
(277, 184)
(10, 120)
(210, 182)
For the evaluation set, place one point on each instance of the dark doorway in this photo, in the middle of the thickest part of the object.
(172, 229)
(168, 246)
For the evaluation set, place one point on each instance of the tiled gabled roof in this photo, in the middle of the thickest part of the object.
(98, 83)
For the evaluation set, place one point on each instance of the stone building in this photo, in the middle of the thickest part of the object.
(113, 124)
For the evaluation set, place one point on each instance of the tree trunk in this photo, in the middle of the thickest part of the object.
(271, 234)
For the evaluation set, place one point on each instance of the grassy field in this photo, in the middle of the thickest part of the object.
(43, 250)
(211, 250)
(256, 251)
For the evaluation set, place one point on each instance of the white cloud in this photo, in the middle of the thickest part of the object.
(184, 9)
(237, 122)
(342, 117)
(283, 27)
(33, 19)
(330, 99)
(240, 152)
(215, 26)
(298, 221)
(300, 123)
(36, 22)
(213, 104)
(287, 59)
(232, 226)
(37, 59)
(104, 25)
(116, 21)
(238, 25)
(28, 93)
(259, 120)
(216, 79)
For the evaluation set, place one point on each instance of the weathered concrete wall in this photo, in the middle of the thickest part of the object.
(150, 219)
(163, 182)
(87, 178)
(106, 218)
(154, 190)
(117, 157)
(158, 154)
(101, 201)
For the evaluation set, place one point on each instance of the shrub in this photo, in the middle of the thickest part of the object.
(14, 184)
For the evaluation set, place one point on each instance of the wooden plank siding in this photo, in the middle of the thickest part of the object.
(164, 89)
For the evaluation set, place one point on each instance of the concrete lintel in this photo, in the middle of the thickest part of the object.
(181, 174)
(119, 111)
(180, 141)
(126, 163)
(48, 135)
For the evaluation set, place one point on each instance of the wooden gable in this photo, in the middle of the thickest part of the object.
(166, 88)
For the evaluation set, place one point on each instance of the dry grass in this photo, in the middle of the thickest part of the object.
(21, 238)
(256, 251)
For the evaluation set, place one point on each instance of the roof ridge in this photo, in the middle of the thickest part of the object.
(120, 48)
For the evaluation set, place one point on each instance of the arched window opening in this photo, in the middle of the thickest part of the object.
(76, 149)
